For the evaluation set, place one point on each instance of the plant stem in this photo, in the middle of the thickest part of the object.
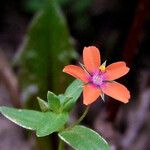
(61, 145)
(80, 119)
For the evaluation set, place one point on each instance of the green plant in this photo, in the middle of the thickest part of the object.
(54, 116)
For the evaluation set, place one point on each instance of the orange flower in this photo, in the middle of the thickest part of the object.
(98, 79)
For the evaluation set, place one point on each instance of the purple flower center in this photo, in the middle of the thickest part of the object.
(97, 78)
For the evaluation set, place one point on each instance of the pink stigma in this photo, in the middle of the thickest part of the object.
(97, 78)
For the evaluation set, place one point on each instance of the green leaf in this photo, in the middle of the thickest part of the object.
(68, 104)
(43, 105)
(46, 49)
(74, 90)
(52, 123)
(44, 123)
(53, 101)
(83, 138)
(72, 93)
(62, 98)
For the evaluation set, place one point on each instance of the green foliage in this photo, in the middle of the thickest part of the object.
(44, 123)
(63, 102)
(73, 92)
(47, 48)
(43, 105)
(54, 119)
(53, 101)
(83, 138)
(54, 115)
(68, 104)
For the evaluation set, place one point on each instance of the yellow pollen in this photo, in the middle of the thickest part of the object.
(102, 68)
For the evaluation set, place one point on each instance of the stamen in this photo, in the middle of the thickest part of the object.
(83, 67)
(103, 66)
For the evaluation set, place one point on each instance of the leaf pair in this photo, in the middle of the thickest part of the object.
(63, 102)
(55, 112)
(53, 103)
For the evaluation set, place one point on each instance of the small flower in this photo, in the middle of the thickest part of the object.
(99, 79)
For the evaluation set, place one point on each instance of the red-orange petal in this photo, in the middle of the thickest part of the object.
(76, 72)
(90, 94)
(91, 58)
(116, 91)
(116, 70)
